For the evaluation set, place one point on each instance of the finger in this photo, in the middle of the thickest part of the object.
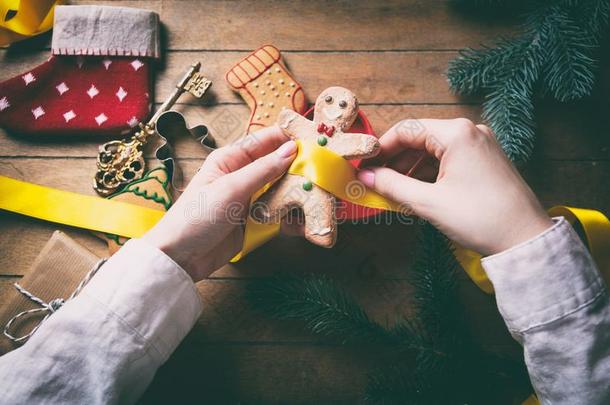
(431, 135)
(246, 150)
(486, 130)
(255, 175)
(396, 186)
(235, 156)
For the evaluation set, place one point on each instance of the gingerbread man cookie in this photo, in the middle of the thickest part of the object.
(335, 111)
(267, 86)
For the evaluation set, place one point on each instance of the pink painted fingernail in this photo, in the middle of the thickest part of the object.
(287, 149)
(367, 177)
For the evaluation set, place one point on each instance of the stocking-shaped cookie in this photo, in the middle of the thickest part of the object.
(265, 83)
(335, 111)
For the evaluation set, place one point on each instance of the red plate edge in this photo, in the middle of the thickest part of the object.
(346, 210)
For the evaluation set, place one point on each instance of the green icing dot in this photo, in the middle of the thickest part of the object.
(322, 140)
(307, 186)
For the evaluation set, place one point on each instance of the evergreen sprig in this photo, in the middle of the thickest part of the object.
(556, 55)
(318, 301)
(429, 358)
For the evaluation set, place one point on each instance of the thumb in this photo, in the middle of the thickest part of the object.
(255, 175)
(396, 186)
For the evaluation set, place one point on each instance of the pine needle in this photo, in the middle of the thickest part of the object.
(556, 55)
(323, 306)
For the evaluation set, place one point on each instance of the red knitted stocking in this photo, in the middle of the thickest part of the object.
(98, 80)
(77, 95)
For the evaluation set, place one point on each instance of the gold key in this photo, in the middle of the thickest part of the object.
(121, 162)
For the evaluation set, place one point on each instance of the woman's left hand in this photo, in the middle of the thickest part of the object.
(203, 230)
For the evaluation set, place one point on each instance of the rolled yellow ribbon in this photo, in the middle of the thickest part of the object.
(31, 17)
(82, 211)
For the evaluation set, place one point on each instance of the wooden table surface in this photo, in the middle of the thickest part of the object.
(393, 55)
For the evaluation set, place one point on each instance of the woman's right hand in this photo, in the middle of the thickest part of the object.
(479, 200)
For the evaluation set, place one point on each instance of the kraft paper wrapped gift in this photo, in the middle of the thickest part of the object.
(56, 272)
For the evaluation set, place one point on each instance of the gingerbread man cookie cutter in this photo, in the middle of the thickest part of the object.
(335, 111)
(173, 125)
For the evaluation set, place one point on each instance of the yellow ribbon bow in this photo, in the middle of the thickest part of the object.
(20, 19)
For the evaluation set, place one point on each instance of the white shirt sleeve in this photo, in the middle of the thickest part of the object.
(555, 302)
(106, 344)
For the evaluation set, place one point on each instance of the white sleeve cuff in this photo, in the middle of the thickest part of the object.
(150, 293)
(544, 279)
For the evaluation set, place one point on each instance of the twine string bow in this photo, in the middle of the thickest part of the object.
(48, 308)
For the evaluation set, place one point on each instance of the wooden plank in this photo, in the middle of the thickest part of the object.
(582, 184)
(6, 283)
(225, 122)
(381, 77)
(566, 132)
(386, 77)
(22, 238)
(228, 317)
(323, 25)
(232, 339)
(292, 374)
(316, 25)
(261, 374)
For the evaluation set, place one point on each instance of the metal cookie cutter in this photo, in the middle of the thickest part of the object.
(171, 125)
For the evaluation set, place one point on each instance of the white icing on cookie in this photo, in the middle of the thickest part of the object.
(322, 232)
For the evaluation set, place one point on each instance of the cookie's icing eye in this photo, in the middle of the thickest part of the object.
(328, 99)
(343, 104)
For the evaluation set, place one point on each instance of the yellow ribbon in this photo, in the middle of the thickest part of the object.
(328, 171)
(596, 228)
(31, 17)
(83, 211)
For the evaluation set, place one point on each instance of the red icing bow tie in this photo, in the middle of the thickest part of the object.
(328, 130)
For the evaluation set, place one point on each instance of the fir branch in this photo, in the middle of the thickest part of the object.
(592, 16)
(477, 70)
(569, 73)
(556, 55)
(318, 301)
(329, 310)
(429, 359)
(433, 278)
(509, 110)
